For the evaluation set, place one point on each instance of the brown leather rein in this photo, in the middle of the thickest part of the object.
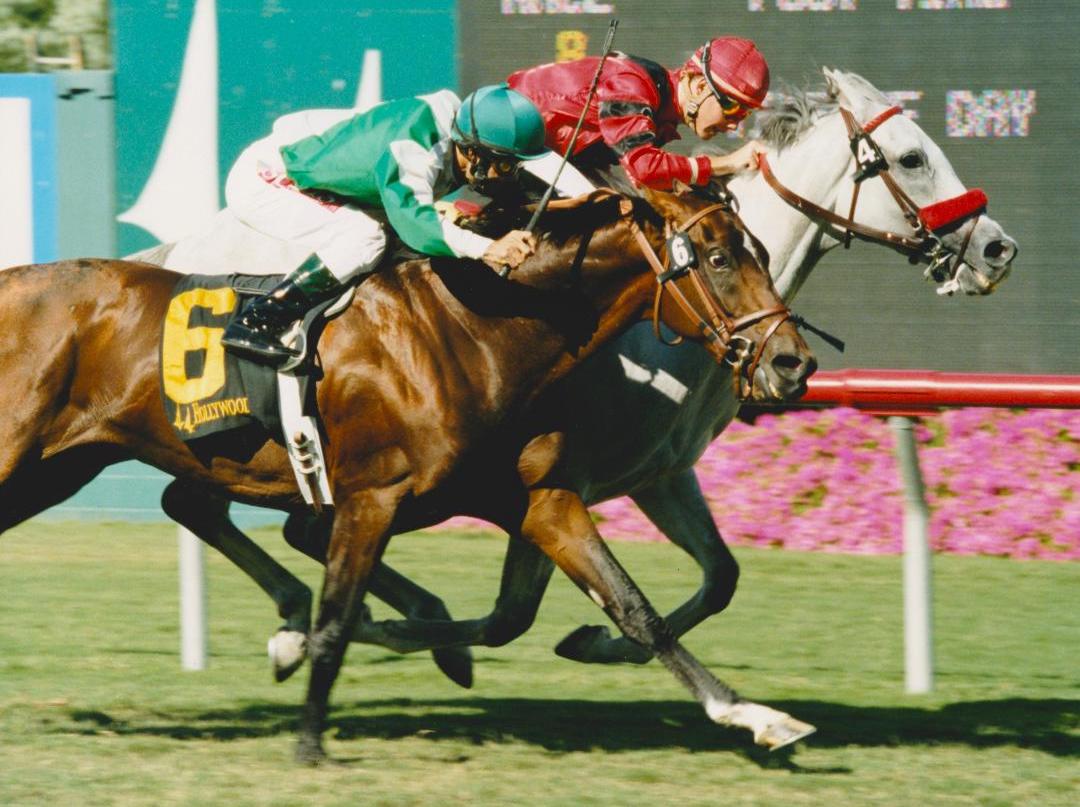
(720, 331)
(923, 243)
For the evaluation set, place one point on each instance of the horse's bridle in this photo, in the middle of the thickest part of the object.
(720, 331)
(924, 244)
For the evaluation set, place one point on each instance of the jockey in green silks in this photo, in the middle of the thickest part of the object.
(317, 177)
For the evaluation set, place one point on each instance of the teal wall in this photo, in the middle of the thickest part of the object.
(85, 163)
(274, 56)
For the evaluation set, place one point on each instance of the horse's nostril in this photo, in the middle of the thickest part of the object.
(793, 366)
(1000, 250)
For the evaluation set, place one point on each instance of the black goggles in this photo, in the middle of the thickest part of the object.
(485, 159)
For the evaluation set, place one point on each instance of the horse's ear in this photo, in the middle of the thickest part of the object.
(667, 205)
(680, 188)
(854, 93)
(832, 85)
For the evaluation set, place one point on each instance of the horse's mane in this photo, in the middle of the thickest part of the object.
(793, 111)
(561, 224)
(792, 114)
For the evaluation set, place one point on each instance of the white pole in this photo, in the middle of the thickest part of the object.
(180, 196)
(193, 633)
(918, 607)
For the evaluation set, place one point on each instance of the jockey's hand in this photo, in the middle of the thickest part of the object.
(510, 250)
(742, 159)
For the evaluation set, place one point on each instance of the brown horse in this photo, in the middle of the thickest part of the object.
(429, 376)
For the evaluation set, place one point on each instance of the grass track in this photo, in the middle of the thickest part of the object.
(94, 709)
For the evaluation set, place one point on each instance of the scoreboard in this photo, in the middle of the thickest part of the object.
(993, 82)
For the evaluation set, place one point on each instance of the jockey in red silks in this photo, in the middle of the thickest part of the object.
(638, 104)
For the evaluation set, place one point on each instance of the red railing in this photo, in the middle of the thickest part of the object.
(920, 392)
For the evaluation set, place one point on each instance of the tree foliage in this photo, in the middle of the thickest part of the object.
(48, 26)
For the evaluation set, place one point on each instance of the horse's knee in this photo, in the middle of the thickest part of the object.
(505, 626)
(308, 533)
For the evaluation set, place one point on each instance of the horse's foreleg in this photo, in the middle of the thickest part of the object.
(526, 572)
(675, 504)
(207, 515)
(360, 532)
(36, 485)
(310, 534)
(558, 522)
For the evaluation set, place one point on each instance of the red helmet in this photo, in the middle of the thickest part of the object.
(735, 67)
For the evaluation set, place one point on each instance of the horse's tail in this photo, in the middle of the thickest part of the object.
(156, 255)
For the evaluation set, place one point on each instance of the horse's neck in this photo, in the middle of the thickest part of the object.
(815, 167)
(527, 328)
(621, 286)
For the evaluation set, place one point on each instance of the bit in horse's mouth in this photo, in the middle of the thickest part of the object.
(980, 283)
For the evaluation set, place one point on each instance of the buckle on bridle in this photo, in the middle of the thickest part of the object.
(739, 349)
(940, 267)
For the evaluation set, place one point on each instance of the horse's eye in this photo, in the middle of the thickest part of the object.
(913, 160)
(718, 260)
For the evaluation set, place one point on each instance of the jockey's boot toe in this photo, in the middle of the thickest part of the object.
(258, 342)
(257, 332)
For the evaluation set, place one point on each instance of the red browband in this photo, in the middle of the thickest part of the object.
(873, 123)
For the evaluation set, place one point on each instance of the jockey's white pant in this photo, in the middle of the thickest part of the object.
(261, 195)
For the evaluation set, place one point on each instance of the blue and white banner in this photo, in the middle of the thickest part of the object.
(28, 218)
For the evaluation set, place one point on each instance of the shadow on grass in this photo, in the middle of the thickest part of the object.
(563, 726)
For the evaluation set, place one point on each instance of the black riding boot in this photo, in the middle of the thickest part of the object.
(256, 333)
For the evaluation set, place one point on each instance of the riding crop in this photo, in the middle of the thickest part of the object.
(542, 205)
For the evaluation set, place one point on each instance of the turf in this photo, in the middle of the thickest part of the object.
(94, 708)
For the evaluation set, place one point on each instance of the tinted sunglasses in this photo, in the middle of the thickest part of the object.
(731, 107)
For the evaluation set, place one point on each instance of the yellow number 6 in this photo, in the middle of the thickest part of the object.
(178, 339)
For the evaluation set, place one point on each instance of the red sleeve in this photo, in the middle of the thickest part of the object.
(628, 105)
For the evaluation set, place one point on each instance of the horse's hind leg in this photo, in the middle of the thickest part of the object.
(675, 504)
(207, 515)
(558, 522)
(526, 572)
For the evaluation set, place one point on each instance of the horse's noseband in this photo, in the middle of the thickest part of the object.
(927, 222)
(719, 330)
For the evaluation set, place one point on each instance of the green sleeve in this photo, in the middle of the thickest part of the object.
(416, 223)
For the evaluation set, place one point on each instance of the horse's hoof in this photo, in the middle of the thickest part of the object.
(310, 752)
(456, 664)
(593, 644)
(783, 732)
(287, 650)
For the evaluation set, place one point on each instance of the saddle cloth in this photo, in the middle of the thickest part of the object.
(206, 389)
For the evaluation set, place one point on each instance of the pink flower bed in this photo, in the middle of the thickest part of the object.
(998, 482)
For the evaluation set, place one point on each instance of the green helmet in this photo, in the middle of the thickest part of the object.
(502, 120)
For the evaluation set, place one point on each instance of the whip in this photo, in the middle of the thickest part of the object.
(608, 40)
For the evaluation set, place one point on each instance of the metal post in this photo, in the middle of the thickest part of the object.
(918, 608)
(193, 633)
